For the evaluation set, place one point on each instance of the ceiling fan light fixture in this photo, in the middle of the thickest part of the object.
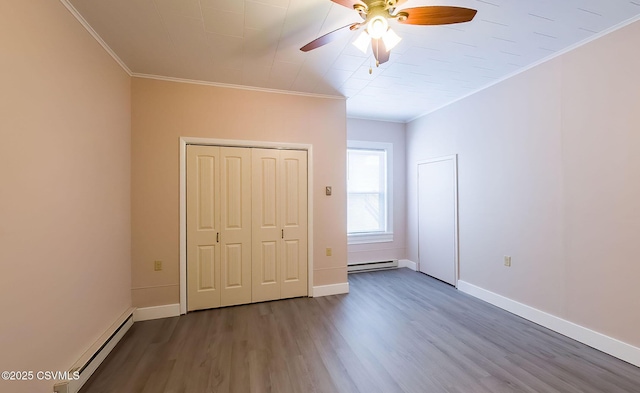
(390, 39)
(377, 26)
(362, 42)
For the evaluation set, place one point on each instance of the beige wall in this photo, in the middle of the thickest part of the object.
(165, 111)
(394, 133)
(549, 169)
(65, 270)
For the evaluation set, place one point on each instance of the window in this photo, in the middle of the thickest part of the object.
(369, 200)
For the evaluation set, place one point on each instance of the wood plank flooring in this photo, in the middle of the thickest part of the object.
(397, 331)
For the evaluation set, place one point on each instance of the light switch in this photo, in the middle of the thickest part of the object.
(157, 265)
(328, 252)
(327, 190)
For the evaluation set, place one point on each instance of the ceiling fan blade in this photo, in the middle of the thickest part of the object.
(331, 36)
(379, 51)
(437, 15)
(347, 3)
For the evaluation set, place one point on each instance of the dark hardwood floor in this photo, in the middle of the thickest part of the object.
(397, 331)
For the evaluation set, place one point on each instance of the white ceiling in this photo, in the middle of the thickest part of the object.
(256, 43)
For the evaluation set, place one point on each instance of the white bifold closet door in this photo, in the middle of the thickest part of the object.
(279, 266)
(218, 226)
(246, 225)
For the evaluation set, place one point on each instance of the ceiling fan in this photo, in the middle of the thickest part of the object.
(375, 15)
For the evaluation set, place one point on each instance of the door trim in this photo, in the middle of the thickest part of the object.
(184, 141)
(456, 251)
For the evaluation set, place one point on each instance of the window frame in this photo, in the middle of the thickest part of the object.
(376, 237)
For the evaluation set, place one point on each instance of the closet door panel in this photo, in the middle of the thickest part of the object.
(203, 225)
(246, 225)
(235, 234)
(266, 237)
(293, 211)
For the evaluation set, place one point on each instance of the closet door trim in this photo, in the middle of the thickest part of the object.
(184, 141)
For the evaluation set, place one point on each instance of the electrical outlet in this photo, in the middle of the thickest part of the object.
(157, 265)
(507, 261)
(328, 252)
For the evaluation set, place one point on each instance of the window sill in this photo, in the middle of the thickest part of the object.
(365, 238)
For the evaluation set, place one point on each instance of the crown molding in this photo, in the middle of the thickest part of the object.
(238, 87)
(537, 63)
(378, 119)
(95, 35)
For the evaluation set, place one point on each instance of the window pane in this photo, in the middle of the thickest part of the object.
(366, 190)
(365, 170)
(366, 213)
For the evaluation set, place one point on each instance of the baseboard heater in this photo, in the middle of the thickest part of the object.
(95, 355)
(359, 267)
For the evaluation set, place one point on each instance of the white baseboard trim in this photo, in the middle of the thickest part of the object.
(157, 312)
(599, 341)
(408, 264)
(333, 289)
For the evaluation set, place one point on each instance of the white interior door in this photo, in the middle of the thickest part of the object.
(267, 235)
(235, 226)
(246, 225)
(218, 226)
(279, 206)
(437, 218)
(203, 227)
(293, 213)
